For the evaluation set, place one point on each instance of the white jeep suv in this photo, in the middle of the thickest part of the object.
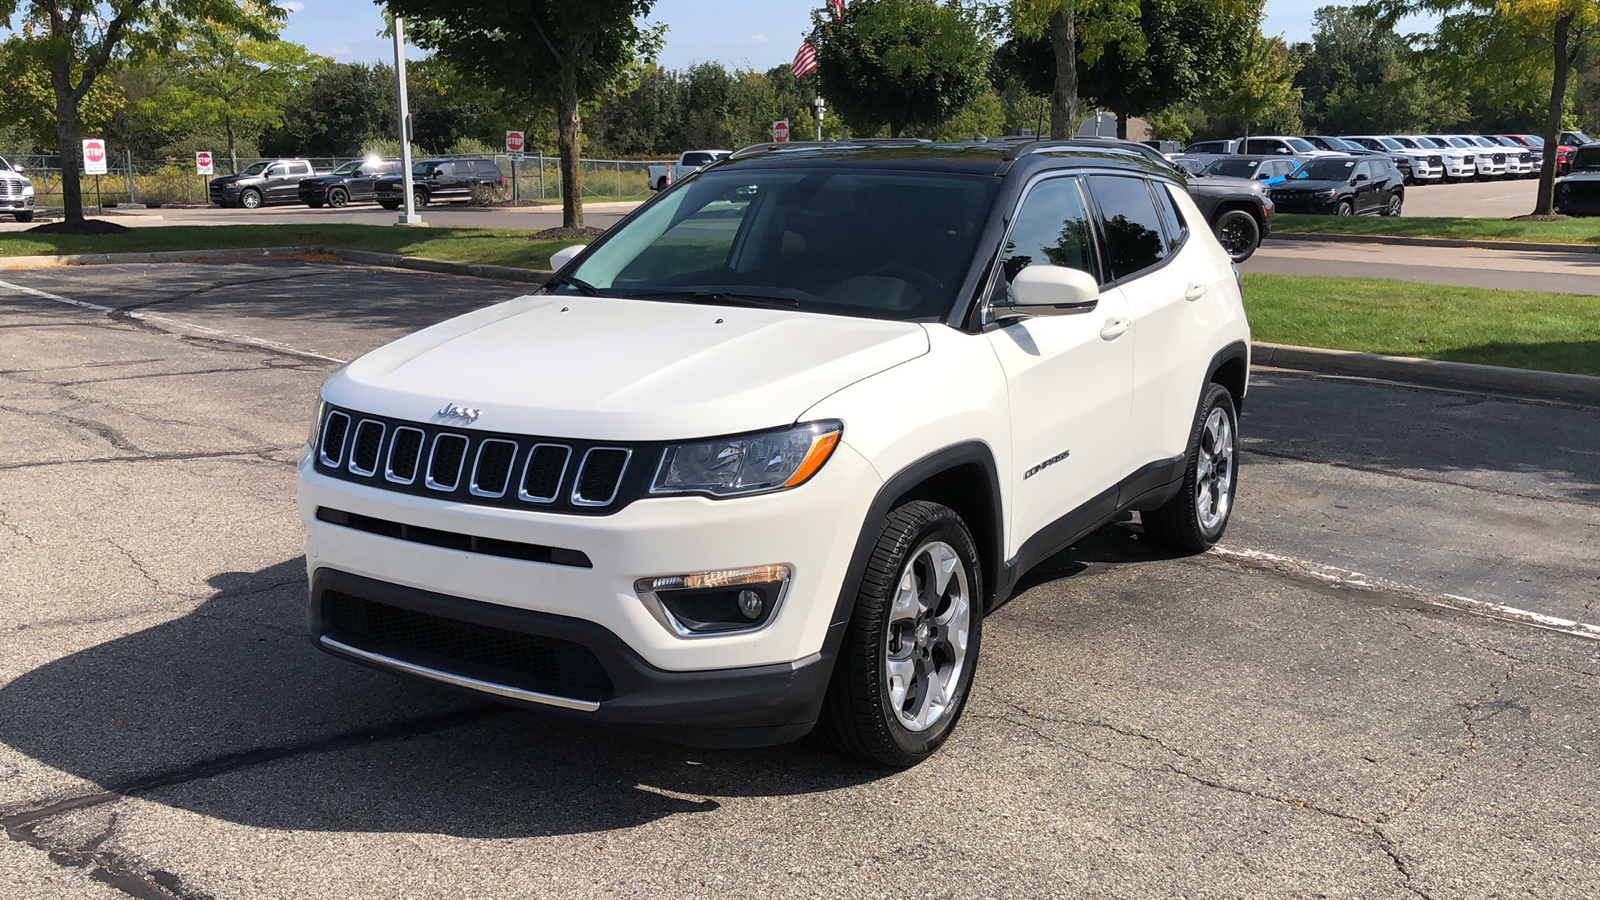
(760, 459)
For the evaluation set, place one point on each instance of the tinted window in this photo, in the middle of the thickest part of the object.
(1171, 219)
(1052, 230)
(697, 159)
(1331, 169)
(1207, 147)
(1364, 168)
(1586, 158)
(273, 171)
(1129, 221)
(299, 168)
(1236, 168)
(1259, 145)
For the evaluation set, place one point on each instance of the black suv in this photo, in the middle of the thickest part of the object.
(268, 181)
(440, 180)
(1578, 194)
(350, 183)
(1343, 186)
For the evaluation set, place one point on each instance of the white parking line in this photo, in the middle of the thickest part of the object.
(1337, 577)
(179, 324)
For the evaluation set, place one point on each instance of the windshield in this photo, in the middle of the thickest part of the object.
(1581, 138)
(1300, 146)
(4, 165)
(347, 168)
(1326, 170)
(1406, 143)
(1334, 143)
(1238, 168)
(877, 244)
(1207, 147)
(1534, 140)
(1586, 158)
(255, 169)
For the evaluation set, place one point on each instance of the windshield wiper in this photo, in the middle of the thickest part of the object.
(722, 298)
(584, 287)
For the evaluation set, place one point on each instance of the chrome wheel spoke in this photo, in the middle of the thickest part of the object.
(929, 620)
(1214, 471)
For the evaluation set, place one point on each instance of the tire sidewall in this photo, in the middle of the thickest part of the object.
(1344, 208)
(1395, 205)
(337, 198)
(1216, 397)
(1224, 219)
(244, 199)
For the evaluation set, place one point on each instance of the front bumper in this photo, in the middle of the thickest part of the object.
(811, 529)
(308, 195)
(1455, 168)
(16, 204)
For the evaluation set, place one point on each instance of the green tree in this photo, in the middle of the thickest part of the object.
(29, 103)
(227, 81)
(76, 41)
(1077, 32)
(901, 63)
(1362, 76)
(1495, 34)
(1261, 89)
(334, 113)
(555, 52)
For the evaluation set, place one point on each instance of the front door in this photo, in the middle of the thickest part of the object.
(1069, 376)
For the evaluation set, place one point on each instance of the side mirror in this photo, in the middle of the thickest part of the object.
(559, 260)
(17, 168)
(1360, 178)
(1046, 290)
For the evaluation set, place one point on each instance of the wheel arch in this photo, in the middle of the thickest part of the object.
(1230, 367)
(1244, 206)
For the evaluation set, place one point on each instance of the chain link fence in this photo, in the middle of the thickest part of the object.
(174, 182)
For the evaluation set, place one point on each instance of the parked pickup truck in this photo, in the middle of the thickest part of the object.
(689, 163)
(267, 181)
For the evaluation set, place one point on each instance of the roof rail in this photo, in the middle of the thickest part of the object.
(771, 146)
(1026, 146)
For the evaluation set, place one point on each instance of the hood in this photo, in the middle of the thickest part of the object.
(1224, 184)
(625, 370)
(233, 179)
(1314, 184)
(324, 179)
(1581, 175)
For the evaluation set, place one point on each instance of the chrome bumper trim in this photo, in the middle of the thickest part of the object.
(487, 687)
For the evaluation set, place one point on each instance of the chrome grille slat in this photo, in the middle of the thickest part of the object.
(590, 484)
(405, 455)
(491, 474)
(448, 456)
(334, 431)
(537, 485)
(366, 447)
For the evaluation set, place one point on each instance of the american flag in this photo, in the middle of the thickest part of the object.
(837, 6)
(805, 61)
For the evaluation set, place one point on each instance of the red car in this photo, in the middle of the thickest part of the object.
(1563, 150)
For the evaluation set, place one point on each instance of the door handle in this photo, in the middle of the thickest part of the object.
(1115, 328)
(1195, 291)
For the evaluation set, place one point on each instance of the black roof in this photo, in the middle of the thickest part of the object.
(997, 157)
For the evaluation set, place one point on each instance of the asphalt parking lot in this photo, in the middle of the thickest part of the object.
(1314, 710)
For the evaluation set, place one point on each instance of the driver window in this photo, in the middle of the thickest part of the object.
(274, 171)
(1052, 229)
(1362, 168)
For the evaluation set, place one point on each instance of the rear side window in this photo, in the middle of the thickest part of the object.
(1171, 219)
(1052, 229)
(1130, 223)
(697, 159)
(485, 167)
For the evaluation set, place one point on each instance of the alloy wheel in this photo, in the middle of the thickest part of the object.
(929, 620)
(1213, 483)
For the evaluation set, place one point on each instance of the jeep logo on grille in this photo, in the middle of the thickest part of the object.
(465, 414)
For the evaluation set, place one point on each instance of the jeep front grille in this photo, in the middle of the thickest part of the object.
(490, 469)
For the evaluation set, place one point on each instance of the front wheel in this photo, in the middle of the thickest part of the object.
(250, 199)
(1195, 519)
(338, 198)
(1395, 202)
(420, 198)
(1238, 233)
(24, 217)
(906, 664)
(1345, 208)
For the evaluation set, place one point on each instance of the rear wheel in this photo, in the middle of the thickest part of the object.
(338, 198)
(906, 664)
(1238, 233)
(1195, 519)
(1395, 202)
(250, 199)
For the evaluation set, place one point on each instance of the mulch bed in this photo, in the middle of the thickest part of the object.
(87, 226)
(568, 234)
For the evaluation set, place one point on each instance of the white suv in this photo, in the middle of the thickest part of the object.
(760, 459)
(16, 192)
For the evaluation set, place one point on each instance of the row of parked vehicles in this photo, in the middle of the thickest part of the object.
(1421, 159)
(438, 180)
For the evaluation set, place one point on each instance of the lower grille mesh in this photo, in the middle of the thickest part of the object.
(530, 662)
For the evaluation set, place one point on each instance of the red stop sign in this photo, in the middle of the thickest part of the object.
(204, 159)
(94, 151)
(514, 141)
(780, 132)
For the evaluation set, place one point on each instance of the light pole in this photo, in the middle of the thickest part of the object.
(821, 110)
(409, 217)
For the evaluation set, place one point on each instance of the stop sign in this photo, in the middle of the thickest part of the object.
(202, 162)
(94, 156)
(780, 131)
(513, 142)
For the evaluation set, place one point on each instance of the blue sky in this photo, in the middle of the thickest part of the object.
(757, 33)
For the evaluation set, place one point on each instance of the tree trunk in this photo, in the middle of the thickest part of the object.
(68, 143)
(233, 154)
(1064, 100)
(1545, 205)
(568, 130)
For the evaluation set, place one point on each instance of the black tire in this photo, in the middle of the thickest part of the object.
(338, 198)
(1180, 522)
(1345, 208)
(24, 217)
(1239, 234)
(390, 206)
(250, 198)
(858, 717)
(420, 197)
(314, 204)
(1395, 203)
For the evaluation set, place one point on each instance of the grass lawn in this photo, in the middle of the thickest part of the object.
(1521, 329)
(1571, 231)
(492, 246)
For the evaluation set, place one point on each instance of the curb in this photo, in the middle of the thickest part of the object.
(437, 266)
(1528, 383)
(361, 257)
(1432, 242)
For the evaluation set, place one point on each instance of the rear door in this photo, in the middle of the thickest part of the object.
(1069, 377)
(1368, 187)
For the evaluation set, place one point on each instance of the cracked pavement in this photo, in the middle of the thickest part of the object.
(1242, 724)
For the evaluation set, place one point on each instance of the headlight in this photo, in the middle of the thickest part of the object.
(27, 189)
(1330, 193)
(748, 463)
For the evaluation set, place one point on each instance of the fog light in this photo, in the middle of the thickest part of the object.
(711, 603)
